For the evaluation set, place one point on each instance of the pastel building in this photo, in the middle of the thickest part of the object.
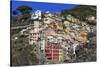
(34, 33)
(33, 37)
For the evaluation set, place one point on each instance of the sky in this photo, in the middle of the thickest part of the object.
(52, 7)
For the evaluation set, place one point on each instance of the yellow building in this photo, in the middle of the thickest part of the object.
(83, 37)
(61, 55)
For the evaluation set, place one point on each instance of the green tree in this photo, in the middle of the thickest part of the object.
(24, 9)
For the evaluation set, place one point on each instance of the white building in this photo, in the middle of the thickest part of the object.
(36, 15)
